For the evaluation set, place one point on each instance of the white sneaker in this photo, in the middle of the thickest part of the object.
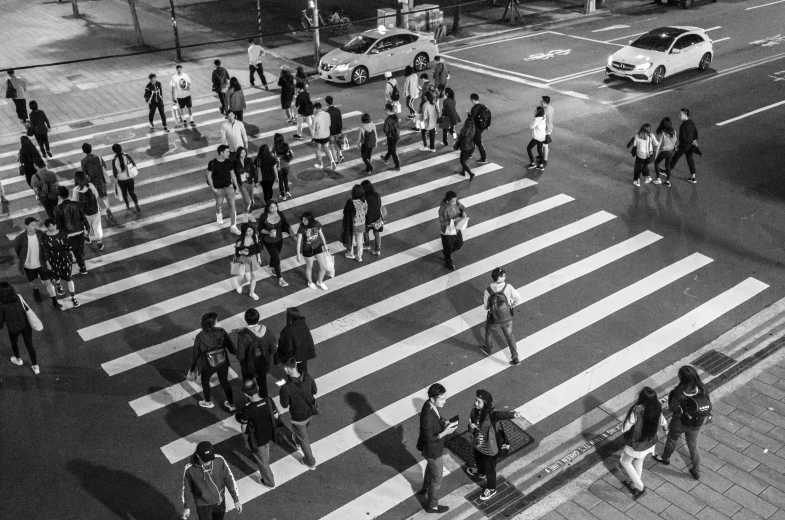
(658, 181)
(234, 230)
(648, 180)
(16, 361)
(636, 183)
(282, 282)
(311, 285)
(206, 404)
(425, 149)
(36, 370)
(238, 286)
(349, 256)
(249, 218)
(322, 286)
(253, 296)
(219, 217)
(229, 407)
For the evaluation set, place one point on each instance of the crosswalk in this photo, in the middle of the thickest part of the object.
(386, 328)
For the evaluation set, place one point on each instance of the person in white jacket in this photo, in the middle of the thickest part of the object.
(430, 116)
(86, 194)
(321, 136)
(411, 89)
(538, 138)
(233, 133)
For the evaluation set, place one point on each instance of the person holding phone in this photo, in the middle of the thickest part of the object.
(433, 432)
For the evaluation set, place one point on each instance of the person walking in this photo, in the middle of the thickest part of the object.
(488, 439)
(206, 478)
(411, 89)
(255, 53)
(688, 143)
(257, 423)
(272, 226)
(666, 149)
(449, 114)
(233, 133)
(31, 258)
(154, 97)
(296, 341)
(336, 129)
(246, 178)
(13, 316)
(440, 75)
(72, 221)
(451, 220)
(86, 195)
(57, 253)
(181, 94)
(224, 186)
(691, 408)
(95, 169)
(44, 183)
(499, 300)
(15, 89)
(538, 139)
(247, 251)
(26, 157)
(122, 166)
(426, 87)
(433, 432)
(2, 194)
(353, 225)
(284, 154)
(465, 143)
(545, 103)
(304, 108)
(209, 356)
(393, 134)
(643, 146)
(312, 244)
(266, 164)
(482, 122)
(640, 437)
(256, 348)
(392, 95)
(430, 117)
(374, 222)
(298, 394)
(288, 91)
(300, 77)
(220, 81)
(320, 131)
(235, 99)
(366, 141)
(39, 125)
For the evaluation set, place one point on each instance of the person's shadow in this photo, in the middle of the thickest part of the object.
(127, 496)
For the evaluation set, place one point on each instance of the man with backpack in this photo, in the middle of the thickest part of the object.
(256, 346)
(391, 93)
(44, 184)
(70, 218)
(482, 121)
(220, 81)
(499, 300)
(257, 421)
(336, 129)
(393, 133)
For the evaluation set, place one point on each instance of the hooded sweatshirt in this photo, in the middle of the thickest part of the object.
(366, 127)
(538, 128)
(256, 347)
(509, 291)
(296, 341)
(206, 487)
(208, 340)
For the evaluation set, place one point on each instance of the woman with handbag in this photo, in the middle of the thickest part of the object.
(245, 174)
(86, 194)
(465, 143)
(266, 164)
(640, 437)
(27, 155)
(272, 226)
(643, 145)
(13, 315)
(489, 440)
(449, 118)
(353, 229)
(246, 263)
(374, 218)
(124, 170)
(210, 357)
(311, 244)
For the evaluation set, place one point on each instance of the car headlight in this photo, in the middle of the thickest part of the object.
(610, 60)
(644, 66)
(341, 67)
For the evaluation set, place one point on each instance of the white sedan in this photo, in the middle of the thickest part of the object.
(660, 53)
(375, 52)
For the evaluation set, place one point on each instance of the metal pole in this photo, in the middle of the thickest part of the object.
(259, 10)
(75, 8)
(176, 36)
(137, 27)
(316, 50)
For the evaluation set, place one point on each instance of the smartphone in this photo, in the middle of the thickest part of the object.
(454, 420)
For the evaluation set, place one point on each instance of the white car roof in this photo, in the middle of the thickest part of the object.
(376, 33)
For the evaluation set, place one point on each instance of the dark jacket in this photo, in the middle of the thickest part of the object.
(206, 341)
(266, 167)
(255, 352)
(13, 315)
(474, 114)
(70, 217)
(429, 443)
(27, 159)
(296, 342)
(390, 127)
(283, 224)
(465, 141)
(677, 396)
(298, 395)
(39, 122)
(220, 79)
(203, 489)
(20, 246)
(447, 212)
(286, 82)
(374, 208)
(254, 249)
(154, 92)
(448, 109)
(347, 224)
(688, 133)
(336, 120)
(484, 428)
(303, 104)
(45, 185)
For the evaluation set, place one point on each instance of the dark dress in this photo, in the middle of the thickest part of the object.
(57, 252)
(286, 82)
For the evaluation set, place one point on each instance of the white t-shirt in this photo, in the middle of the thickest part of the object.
(182, 83)
(255, 53)
(33, 253)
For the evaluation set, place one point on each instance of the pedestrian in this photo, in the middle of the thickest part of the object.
(440, 75)
(246, 178)
(286, 82)
(29, 249)
(411, 90)
(72, 221)
(44, 183)
(13, 316)
(266, 163)
(224, 186)
(304, 108)
(15, 88)
(272, 226)
(392, 94)
(354, 212)
(482, 121)
(209, 356)
(284, 154)
(451, 219)
(691, 408)
(57, 253)
(220, 80)
(688, 143)
(449, 115)
(298, 394)
(366, 141)
(95, 169)
(256, 348)
(205, 479)
(26, 157)
(465, 143)
(336, 129)
(320, 131)
(295, 341)
(247, 252)
(39, 125)
(426, 87)
(154, 96)
(257, 422)
(538, 139)
(86, 195)
(499, 301)
(300, 77)
(233, 134)
(255, 53)
(430, 117)
(666, 149)
(235, 99)
(433, 431)
(181, 94)
(311, 244)
(2, 194)
(640, 437)
(393, 134)
(374, 221)
(488, 439)
(643, 145)
(545, 103)
(122, 167)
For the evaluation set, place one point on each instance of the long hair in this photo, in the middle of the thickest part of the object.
(265, 156)
(308, 216)
(539, 112)
(645, 131)
(666, 127)
(450, 93)
(358, 192)
(118, 151)
(689, 379)
(484, 412)
(300, 75)
(279, 145)
(267, 207)
(234, 84)
(244, 230)
(651, 413)
(81, 180)
(238, 162)
(468, 129)
(27, 145)
(209, 320)
(7, 293)
(408, 71)
(368, 187)
(293, 315)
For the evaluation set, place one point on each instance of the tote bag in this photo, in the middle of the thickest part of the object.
(35, 323)
(329, 266)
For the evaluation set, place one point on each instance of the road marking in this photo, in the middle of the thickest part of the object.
(476, 45)
(764, 5)
(498, 69)
(769, 41)
(712, 28)
(612, 84)
(547, 55)
(576, 75)
(588, 39)
(721, 40)
(611, 28)
(625, 37)
(748, 114)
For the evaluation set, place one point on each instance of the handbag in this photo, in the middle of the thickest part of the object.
(131, 169)
(216, 357)
(237, 266)
(396, 107)
(445, 122)
(345, 143)
(281, 434)
(462, 224)
(379, 224)
(10, 91)
(32, 319)
(419, 123)
(329, 267)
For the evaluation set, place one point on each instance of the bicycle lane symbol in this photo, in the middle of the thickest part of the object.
(547, 55)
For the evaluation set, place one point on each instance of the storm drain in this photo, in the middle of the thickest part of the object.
(714, 362)
(463, 448)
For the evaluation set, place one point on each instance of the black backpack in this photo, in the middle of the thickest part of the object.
(483, 118)
(88, 202)
(499, 308)
(695, 410)
(395, 95)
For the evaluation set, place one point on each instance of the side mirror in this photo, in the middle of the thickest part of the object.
(676, 51)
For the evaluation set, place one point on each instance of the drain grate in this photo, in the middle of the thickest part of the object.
(506, 494)
(714, 362)
(463, 448)
(81, 124)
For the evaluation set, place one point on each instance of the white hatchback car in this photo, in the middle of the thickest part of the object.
(375, 52)
(660, 53)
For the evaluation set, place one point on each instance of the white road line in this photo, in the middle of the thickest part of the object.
(359, 432)
(721, 40)
(589, 39)
(712, 28)
(764, 5)
(485, 66)
(467, 47)
(748, 114)
(576, 75)
(625, 37)
(146, 355)
(612, 84)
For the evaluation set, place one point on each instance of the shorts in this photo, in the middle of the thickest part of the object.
(32, 274)
(184, 102)
(548, 139)
(324, 140)
(310, 253)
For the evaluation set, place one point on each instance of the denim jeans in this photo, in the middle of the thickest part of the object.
(506, 329)
(300, 431)
(684, 150)
(666, 157)
(432, 480)
(486, 465)
(675, 430)
(641, 167)
(261, 456)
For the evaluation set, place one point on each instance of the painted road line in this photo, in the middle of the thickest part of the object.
(639, 352)
(182, 301)
(748, 114)
(503, 40)
(519, 74)
(588, 39)
(721, 40)
(576, 76)
(624, 37)
(146, 355)
(712, 28)
(764, 5)
(611, 28)
(612, 84)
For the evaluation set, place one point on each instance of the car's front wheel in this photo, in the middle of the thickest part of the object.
(420, 62)
(658, 76)
(705, 61)
(359, 75)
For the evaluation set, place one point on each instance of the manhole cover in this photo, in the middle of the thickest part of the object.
(463, 448)
(311, 175)
(714, 363)
(81, 124)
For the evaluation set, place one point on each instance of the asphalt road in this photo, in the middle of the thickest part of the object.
(74, 448)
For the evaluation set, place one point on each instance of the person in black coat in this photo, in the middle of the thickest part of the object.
(14, 318)
(373, 219)
(286, 82)
(295, 341)
(28, 153)
(433, 430)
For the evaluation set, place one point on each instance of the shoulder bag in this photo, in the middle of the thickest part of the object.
(236, 266)
(217, 357)
(10, 91)
(32, 318)
(281, 434)
(131, 167)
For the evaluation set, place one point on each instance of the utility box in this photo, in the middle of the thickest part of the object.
(429, 18)
(386, 17)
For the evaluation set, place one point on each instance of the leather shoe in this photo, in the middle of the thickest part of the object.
(422, 492)
(438, 509)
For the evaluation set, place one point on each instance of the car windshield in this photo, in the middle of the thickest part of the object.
(659, 42)
(358, 44)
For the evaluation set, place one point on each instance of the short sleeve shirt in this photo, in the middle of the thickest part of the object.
(182, 83)
(311, 238)
(221, 173)
(258, 414)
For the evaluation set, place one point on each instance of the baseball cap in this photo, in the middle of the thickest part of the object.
(28, 220)
(205, 451)
(388, 74)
